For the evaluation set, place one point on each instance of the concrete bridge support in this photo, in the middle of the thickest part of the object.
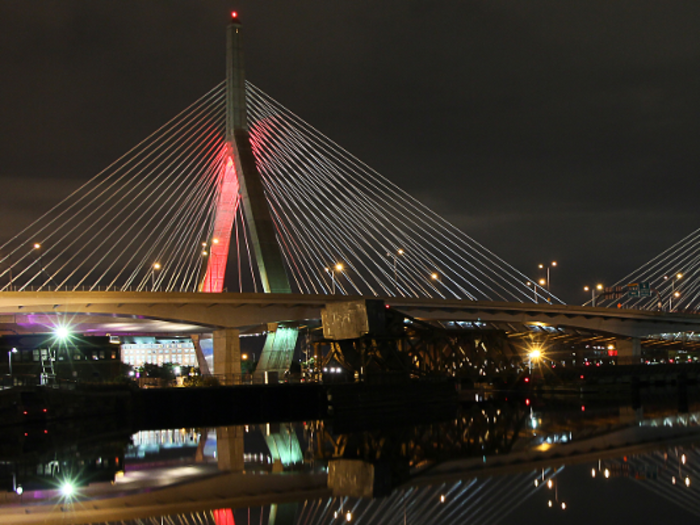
(227, 353)
(629, 351)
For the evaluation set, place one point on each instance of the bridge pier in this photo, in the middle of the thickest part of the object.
(629, 351)
(227, 353)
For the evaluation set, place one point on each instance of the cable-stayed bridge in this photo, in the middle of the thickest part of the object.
(239, 194)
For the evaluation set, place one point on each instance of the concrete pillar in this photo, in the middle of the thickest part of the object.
(229, 448)
(227, 353)
(201, 361)
(629, 351)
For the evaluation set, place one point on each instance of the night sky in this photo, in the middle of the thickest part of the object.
(546, 130)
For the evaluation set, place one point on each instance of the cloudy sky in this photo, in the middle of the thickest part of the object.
(546, 130)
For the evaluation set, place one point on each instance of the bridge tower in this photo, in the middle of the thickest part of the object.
(255, 207)
(240, 182)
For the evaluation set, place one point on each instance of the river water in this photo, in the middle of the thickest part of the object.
(498, 460)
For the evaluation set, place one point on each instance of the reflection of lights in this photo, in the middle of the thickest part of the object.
(442, 498)
(335, 514)
(687, 481)
(537, 483)
(593, 473)
(549, 503)
(348, 516)
(606, 473)
(673, 480)
(563, 506)
(550, 483)
(683, 459)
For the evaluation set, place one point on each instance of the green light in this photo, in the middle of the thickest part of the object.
(67, 489)
(62, 333)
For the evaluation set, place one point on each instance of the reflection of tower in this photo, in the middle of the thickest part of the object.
(239, 173)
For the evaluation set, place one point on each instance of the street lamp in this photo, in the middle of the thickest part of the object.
(9, 358)
(534, 355)
(592, 289)
(396, 256)
(156, 267)
(37, 247)
(553, 264)
(674, 293)
(337, 268)
(534, 290)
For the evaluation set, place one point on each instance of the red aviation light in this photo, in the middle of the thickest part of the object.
(234, 14)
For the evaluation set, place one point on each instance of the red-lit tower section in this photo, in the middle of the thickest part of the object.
(217, 249)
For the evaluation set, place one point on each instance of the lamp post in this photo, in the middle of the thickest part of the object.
(534, 290)
(593, 289)
(674, 293)
(553, 264)
(534, 355)
(9, 358)
(435, 277)
(396, 256)
(156, 267)
(37, 247)
(337, 268)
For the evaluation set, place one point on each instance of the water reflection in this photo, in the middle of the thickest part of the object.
(494, 457)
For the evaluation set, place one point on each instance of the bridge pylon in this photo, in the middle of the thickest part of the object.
(255, 206)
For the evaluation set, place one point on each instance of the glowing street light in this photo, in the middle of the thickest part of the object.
(156, 267)
(592, 289)
(396, 256)
(61, 332)
(535, 355)
(674, 293)
(337, 268)
(67, 489)
(37, 248)
(534, 290)
(553, 264)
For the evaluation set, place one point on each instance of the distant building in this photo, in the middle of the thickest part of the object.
(138, 351)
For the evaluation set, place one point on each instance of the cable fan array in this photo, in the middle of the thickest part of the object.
(343, 228)
(672, 278)
(137, 225)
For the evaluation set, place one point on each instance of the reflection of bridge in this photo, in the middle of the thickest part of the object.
(238, 193)
(474, 487)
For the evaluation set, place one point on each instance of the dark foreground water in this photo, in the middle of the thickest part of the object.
(498, 460)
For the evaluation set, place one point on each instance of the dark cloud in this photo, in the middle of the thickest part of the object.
(544, 129)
